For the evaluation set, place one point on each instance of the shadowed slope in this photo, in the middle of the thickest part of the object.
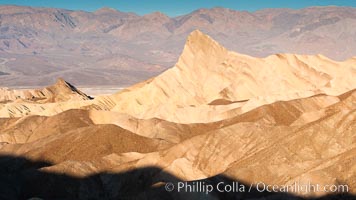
(17, 182)
(85, 144)
(31, 128)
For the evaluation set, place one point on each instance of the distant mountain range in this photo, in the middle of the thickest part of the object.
(109, 47)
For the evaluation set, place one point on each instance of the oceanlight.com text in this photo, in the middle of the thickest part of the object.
(296, 187)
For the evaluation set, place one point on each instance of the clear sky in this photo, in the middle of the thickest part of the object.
(176, 7)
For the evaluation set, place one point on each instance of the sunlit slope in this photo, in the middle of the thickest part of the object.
(307, 139)
(210, 83)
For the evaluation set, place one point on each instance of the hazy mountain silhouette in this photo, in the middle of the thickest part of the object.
(109, 47)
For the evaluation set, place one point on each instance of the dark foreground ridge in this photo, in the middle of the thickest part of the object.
(21, 178)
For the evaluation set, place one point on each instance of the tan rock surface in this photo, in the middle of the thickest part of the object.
(59, 92)
(206, 75)
(278, 120)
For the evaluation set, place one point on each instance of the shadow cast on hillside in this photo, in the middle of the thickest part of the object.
(21, 178)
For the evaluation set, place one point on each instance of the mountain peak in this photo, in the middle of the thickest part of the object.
(62, 86)
(106, 10)
(201, 49)
(61, 91)
(197, 40)
(61, 83)
(157, 16)
(197, 32)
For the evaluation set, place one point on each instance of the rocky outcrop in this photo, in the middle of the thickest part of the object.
(59, 92)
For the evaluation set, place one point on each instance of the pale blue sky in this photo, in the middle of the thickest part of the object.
(176, 7)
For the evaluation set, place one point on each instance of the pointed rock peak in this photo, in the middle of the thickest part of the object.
(200, 50)
(60, 80)
(63, 86)
(197, 32)
(198, 41)
(61, 83)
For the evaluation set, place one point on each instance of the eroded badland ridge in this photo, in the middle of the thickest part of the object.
(215, 115)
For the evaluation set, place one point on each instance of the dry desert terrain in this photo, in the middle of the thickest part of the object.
(216, 115)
